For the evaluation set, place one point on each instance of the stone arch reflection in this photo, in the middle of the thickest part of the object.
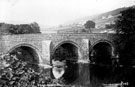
(66, 55)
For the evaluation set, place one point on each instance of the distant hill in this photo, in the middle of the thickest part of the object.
(100, 19)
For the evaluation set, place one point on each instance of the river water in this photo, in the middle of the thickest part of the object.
(100, 75)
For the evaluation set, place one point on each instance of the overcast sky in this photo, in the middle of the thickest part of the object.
(55, 12)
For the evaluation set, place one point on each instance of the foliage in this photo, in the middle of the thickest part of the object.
(19, 29)
(35, 27)
(125, 24)
(109, 26)
(89, 24)
(125, 28)
(15, 73)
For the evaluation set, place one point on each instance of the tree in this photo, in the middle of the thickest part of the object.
(24, 28)
(125, 29)
(4, 28)
(89, 24)
(126, 22)
(19, 28)
(35, 27)
(125, 25)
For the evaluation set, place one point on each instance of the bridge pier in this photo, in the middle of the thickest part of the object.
(46, 51)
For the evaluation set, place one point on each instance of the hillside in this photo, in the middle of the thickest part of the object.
(100, 19)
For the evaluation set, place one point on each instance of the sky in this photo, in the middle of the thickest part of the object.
(55, 12)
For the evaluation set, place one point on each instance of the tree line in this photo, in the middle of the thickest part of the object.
(19, 28)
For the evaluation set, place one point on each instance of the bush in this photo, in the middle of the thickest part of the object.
(110, 26)
(15, 73)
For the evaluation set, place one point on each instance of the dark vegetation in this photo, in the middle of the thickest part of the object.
(16, 73)
(19, 29)
(125, 29)
(109, 26)
(89, 25)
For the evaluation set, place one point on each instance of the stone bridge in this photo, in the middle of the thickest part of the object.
(43, 46)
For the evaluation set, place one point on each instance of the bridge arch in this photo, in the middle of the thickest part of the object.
(67, 51)
(27, 53)
(103, 49)
(64, 42)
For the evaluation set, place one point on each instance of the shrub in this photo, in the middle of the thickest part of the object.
(15, 73)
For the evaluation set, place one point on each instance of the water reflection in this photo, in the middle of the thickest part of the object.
(99, 75)
(66, 72)
(111, 75)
